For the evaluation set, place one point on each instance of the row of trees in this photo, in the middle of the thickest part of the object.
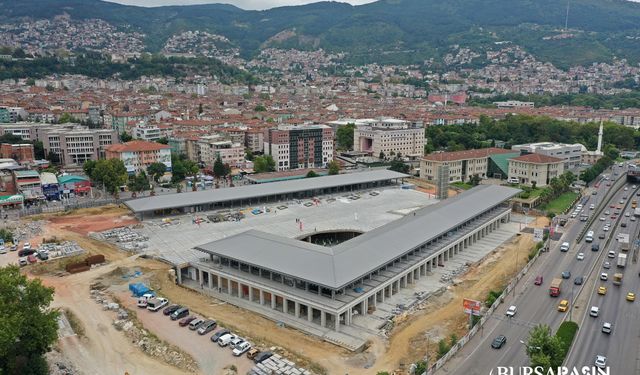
(557, 186)
(517, 129)
(622, 100)
(594, 171)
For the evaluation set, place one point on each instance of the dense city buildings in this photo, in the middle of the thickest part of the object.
(212, 147)
(304, 146)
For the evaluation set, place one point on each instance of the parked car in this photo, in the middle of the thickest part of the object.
(22, 261)
(578, 280)
(225, 340)
(219, 334)
(142, 300)
(195, 323)
(180, 313)
(207, 327)
(241, 348)
(186, 321)
(43, 255)
(251, 354)
(169, 310)
(236, 341)
(499, 342)
(25, 252)
(32, 259)
(564, 247)
(263, 356)
(155, 304)
(3, 250)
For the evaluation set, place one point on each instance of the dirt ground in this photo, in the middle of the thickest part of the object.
(425, 187)
(104, 347)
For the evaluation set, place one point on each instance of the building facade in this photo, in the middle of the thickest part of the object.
(389, 137)
(138, 155)
(146, 132)
(21, 153)
(79, 144)
(212, 147)
(570, 153)
(304, 146)
(462, 164)
(530, 168)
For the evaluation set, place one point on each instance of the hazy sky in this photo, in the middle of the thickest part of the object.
(244, 4)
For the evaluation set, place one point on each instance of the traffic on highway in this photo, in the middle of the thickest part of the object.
(589, 276)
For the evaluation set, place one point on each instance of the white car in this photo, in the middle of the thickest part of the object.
(625, 188)
(605, 228)
(612, 254)
(633, 218)
(601, 361)
(564, 246)
(3, 250)
(604, 276)
(26, 246)
(601, 218)
(241, 348)
(580, 256)
(627, 214)
(511, 311)
(142, 301)
(606, 327)
(594, 311)
(592, 206)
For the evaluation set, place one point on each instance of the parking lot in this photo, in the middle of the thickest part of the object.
(173, 239)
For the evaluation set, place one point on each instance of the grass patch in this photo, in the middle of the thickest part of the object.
(566, 333)
(462, 185)
(74, 322)
(561, 203)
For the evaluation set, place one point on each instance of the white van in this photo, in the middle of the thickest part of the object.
(589, 237)
(142, 301)
(224, 340)
(155, 304)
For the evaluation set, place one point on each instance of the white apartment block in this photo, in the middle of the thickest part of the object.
(570, 153)
(535, 167)
(78, 145)
(389, 136)
(147, 132)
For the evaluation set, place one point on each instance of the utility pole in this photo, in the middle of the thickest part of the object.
(566, 18)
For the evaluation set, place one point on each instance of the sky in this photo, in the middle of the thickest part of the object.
(244, 4)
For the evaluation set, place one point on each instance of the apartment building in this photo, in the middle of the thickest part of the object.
(254, 140)
(538, 168)
(464, 164)
(570, 153)
(214, 146)
(31, 131)
(79, 144)
(146, 132)
(137, 155)
(389, 136)
(299, 146)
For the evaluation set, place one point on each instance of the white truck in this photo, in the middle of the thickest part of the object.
(155, 304)
(622, 260)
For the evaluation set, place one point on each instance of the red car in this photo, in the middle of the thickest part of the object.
(32, 258)
(185, 321)
(538, 280)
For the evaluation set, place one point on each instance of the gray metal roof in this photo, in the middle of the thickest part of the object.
(337, 266)
(195, 198)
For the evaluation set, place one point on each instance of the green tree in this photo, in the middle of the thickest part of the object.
(200, 109)
(6, 235)
(66, 118)
(334, 167)
(125, 137)
(611, 152)
(260, 108)
(263, 164)
(88, 167)
(38, 149)
(382, 156)
(53, 157)
(182, 167)
(543, 348)
(311, 174)
(110, 173)
(163, 141)
(398, 166)
(443, 348)
(344, 136)
(248, 154)
(139, 182)
(156, 170)
(29, 326)
(474, 180)
(218, 168)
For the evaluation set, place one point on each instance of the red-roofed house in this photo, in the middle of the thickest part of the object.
(137, 155)
(535, 167)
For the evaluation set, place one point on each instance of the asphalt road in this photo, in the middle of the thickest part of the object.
(622, 346)
(534, 304)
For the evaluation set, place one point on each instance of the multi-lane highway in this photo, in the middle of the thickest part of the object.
(535, 306)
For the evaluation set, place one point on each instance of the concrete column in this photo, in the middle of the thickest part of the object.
(210, 280)
(337, 324)
(261, 297)
(179, 275)
(250, 293)
(365, 306)
(285, 305)
(297, 309)
(273, 301)
(200, 277)
(323, 318)
(309, 313)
